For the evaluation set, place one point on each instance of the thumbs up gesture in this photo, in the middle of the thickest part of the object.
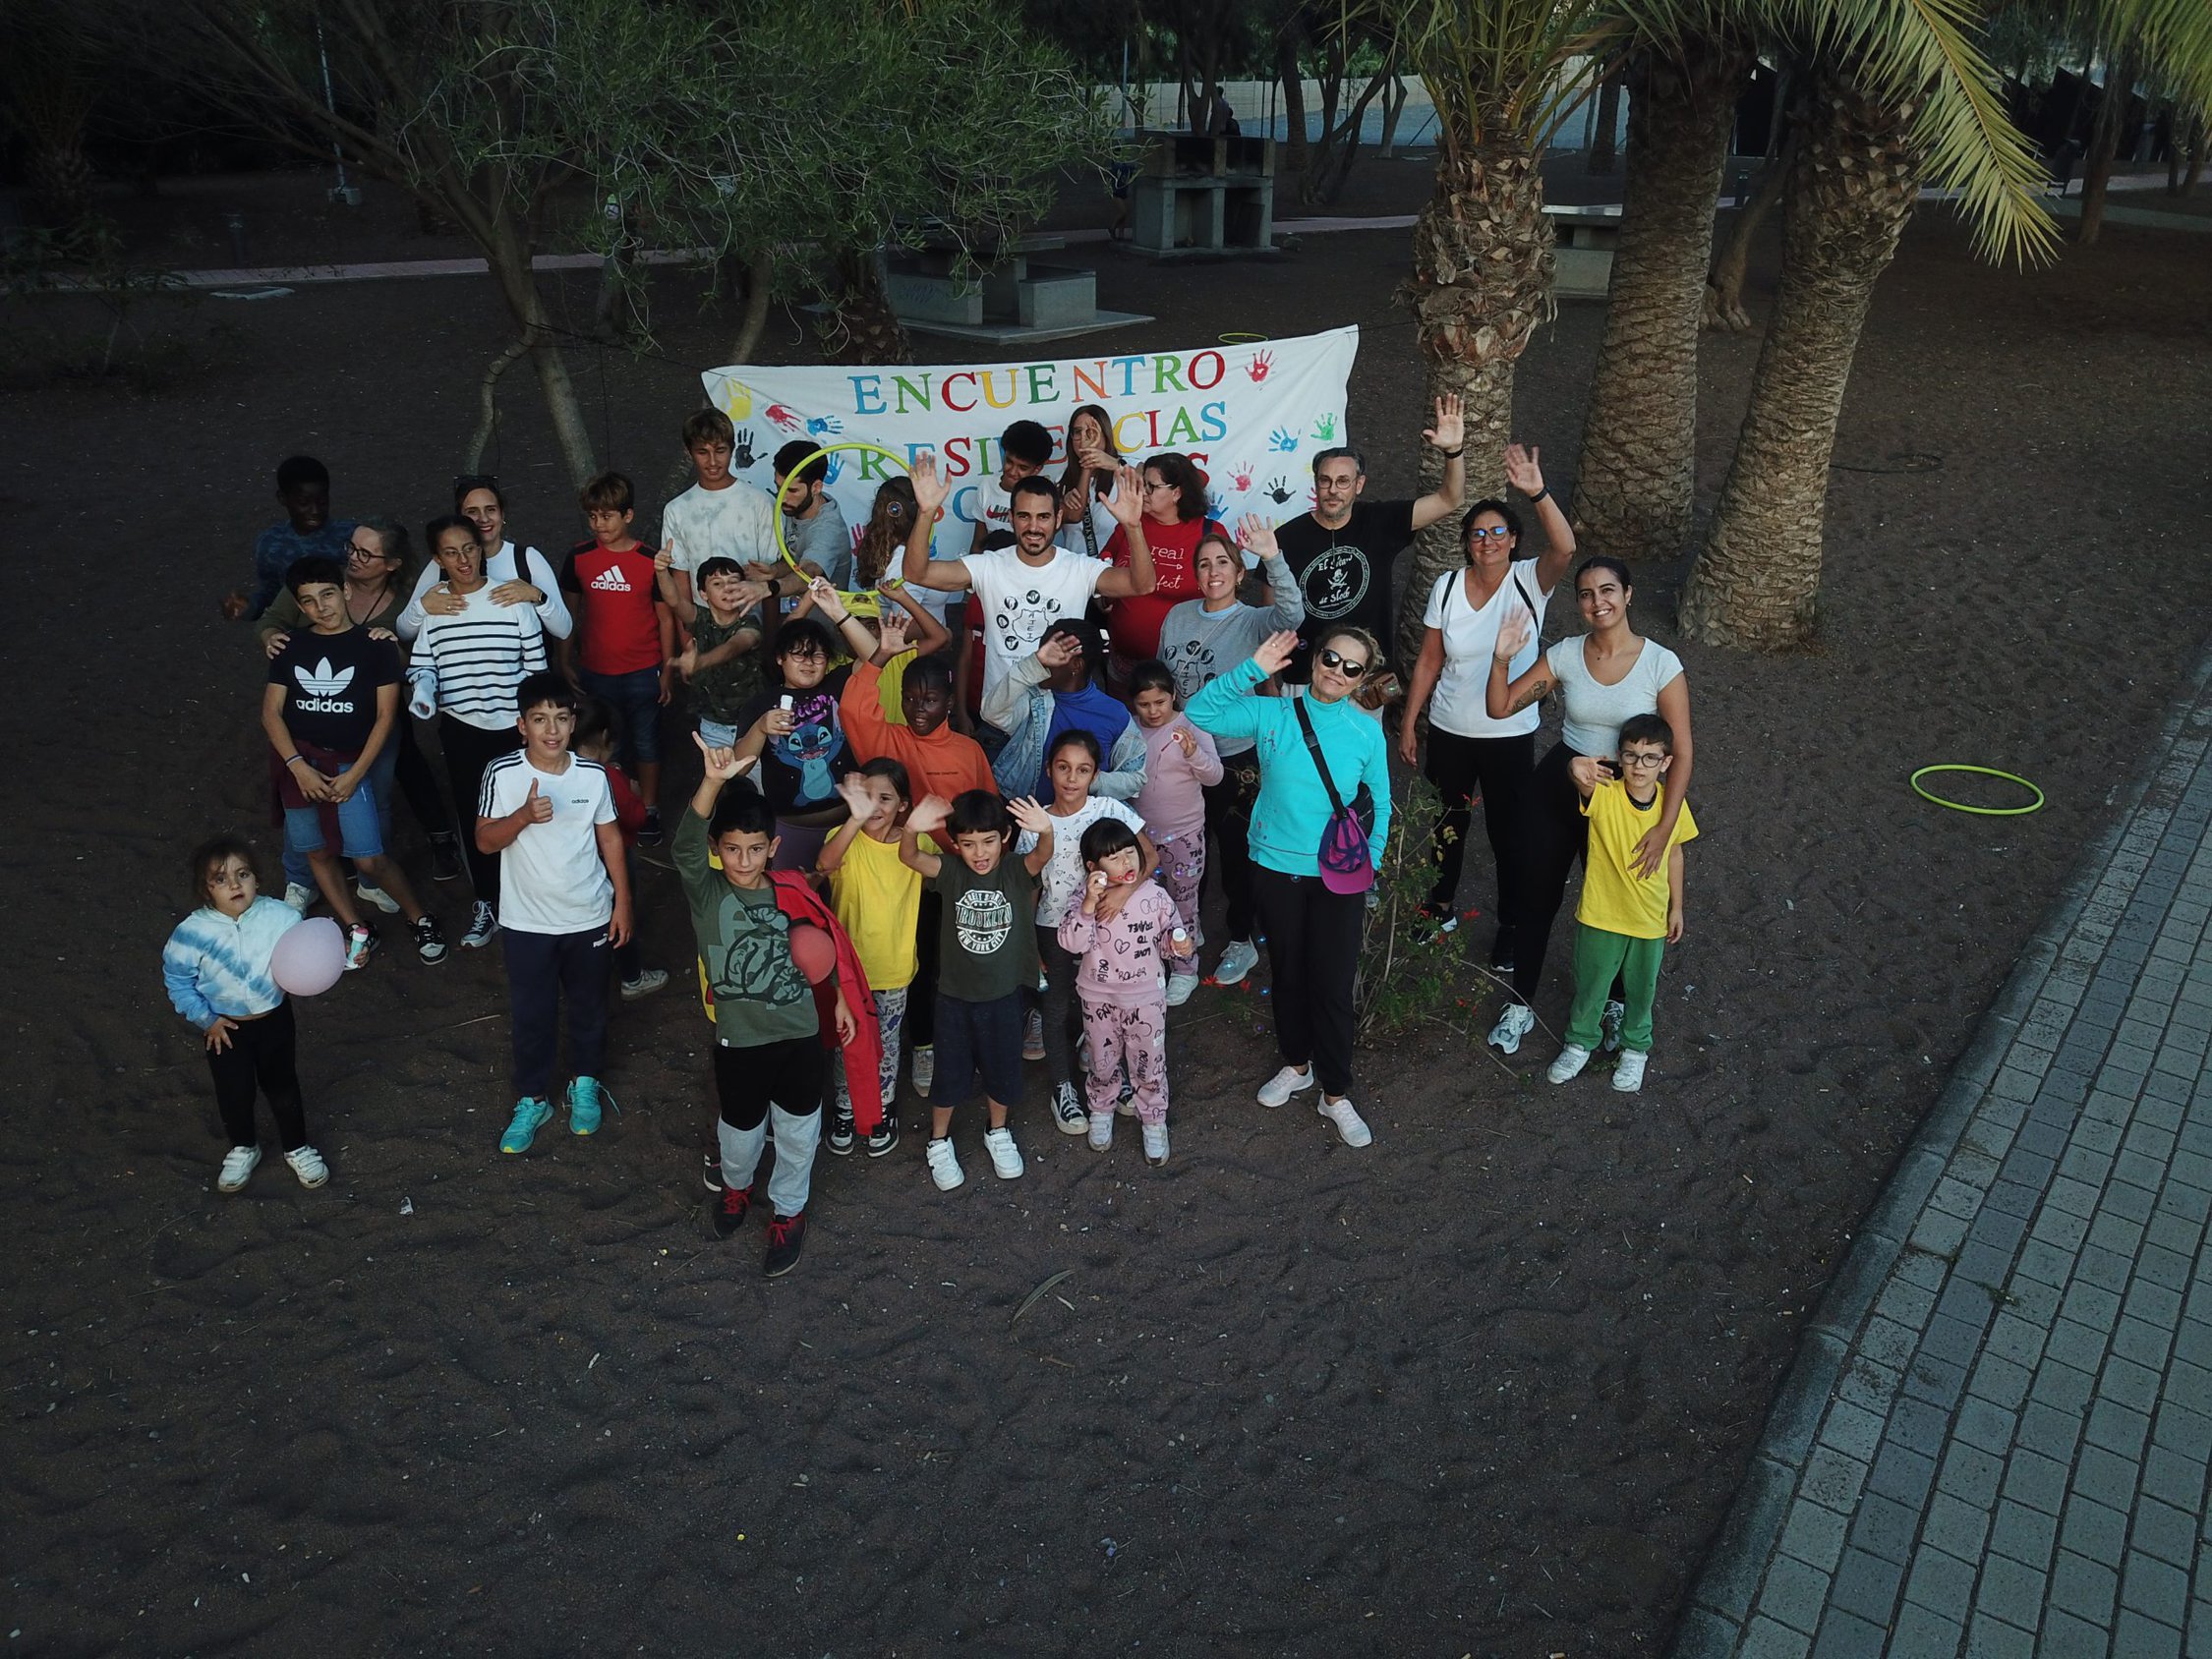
(536, 807)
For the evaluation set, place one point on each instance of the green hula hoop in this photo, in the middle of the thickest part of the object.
(1241, 340)
(859, 604)
(2035, 805)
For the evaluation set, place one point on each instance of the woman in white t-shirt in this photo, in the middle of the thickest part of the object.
(517, 575)
(1469, 752)
(1603, 676)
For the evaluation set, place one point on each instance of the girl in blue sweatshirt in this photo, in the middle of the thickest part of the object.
(216, 966)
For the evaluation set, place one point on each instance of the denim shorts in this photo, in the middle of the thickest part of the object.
(717, 736)
(360, 823)
(636, 701)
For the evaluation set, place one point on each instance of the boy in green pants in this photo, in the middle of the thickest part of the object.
(1624, 921)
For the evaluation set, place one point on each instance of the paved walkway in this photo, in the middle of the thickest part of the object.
(1994, 1440)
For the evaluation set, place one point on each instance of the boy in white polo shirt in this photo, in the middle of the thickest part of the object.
(564, 898)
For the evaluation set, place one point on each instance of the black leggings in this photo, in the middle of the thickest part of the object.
(1228, 818)
(789, 1073)
(468, 750)
(1500, 770)
(419, 783)
(921, 999)
(263, 1054)
(1313, 958)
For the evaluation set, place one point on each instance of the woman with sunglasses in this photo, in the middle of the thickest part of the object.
(1603, 677)
(1313, 933)
(517, 576)
(1469, 752)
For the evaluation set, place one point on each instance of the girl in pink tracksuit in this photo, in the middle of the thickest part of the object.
(1181, 763)
(1122, 936)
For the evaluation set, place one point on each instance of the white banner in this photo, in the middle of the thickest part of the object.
(1253, 415)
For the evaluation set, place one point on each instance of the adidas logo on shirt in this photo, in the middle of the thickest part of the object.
(322, 683)
(612, 581)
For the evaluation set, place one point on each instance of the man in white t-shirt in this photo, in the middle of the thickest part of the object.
(719, 515)
(1471, 753)
(1022, 590)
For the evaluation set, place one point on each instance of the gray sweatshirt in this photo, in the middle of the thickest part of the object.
(1198, 644)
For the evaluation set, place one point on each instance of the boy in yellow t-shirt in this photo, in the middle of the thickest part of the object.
(879, 901)
(1624, 920)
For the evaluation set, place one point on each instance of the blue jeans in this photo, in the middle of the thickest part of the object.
(635, 699)
(717, 736)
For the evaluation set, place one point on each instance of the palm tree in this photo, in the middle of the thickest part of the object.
(1503, 73)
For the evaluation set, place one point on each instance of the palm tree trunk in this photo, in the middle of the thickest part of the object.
(1633, 494)
(2104, 142)
(1601, 157)
(1481, 283)
(864, 328)
(1757, 583)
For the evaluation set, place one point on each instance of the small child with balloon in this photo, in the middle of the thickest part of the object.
(789, 993)
(227, 968)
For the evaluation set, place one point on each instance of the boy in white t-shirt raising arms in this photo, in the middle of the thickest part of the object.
(564, 898)
(1023, 590)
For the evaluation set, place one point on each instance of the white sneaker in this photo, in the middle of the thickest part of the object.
(925, 1069)
(300, 899)
(484, 921)
(1155, 1144)
(1610, 1023)
(376, 895)
(1101, 1130)
(238, 1163)
(1006, 1157)
(944, 1168)
(1180, 987)
(1349, 1123)
(1518, 1020)
(1238, 960)
(1284, 1084)
(1068, 1111)
(645, 984)
(1628, 1071)
(307, 1165)
(1568, 1066)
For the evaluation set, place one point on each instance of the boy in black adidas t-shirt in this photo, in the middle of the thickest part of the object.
(332, 706)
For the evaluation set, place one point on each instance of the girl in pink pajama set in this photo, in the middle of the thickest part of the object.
(1181, 763)
(1120, 948)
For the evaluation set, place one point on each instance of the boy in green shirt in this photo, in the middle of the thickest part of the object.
(770, 1060)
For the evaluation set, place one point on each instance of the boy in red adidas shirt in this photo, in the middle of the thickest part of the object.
(624, 647)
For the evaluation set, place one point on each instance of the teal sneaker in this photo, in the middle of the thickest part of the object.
(586, 1100)
(531, 1115)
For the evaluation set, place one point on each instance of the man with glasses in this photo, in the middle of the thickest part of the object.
(1025, 588)
(1343, 552)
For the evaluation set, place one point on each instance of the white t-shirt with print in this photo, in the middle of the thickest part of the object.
(552, 878)
(1595, 710)
(1017, 602)
(738, 523)
(1061, 882)
(1470, 635)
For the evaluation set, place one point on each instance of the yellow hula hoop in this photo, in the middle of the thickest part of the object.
(2035, 805)
(1242, 339)
(859, 604)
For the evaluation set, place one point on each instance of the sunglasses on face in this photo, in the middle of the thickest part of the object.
(1349, 670)
(1488, 530)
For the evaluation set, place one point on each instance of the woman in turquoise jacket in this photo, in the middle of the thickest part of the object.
(1313, 933)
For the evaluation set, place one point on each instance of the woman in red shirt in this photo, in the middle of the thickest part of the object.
(1175, 522)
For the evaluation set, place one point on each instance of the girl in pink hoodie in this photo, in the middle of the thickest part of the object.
(1180, 764)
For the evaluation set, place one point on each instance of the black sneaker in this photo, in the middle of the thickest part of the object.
(648, 833)
(1501, 952)
(445, 858)
(841, 1131)
(430, 941)
(730, 1214)
(886, 1136)
(786, 1237)
(1069, 1111)
(484, 921)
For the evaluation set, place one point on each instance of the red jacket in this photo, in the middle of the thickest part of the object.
(862, 1057)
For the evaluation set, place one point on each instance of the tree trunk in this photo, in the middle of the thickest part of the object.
(61, 182)
(1757, 583)
(1481, 283)
(1289, 72)
(2104, 142)
(1393, 106)
(2197, 138)
(1601, 158)
(509, 256)
(865, 329)
(1724, 285)
(1638, 476)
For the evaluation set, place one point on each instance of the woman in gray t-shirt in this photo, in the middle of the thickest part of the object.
(1207, 636)
(1603, 676)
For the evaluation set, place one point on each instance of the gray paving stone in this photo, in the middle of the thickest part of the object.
(2117, 1428)
(2015, 1338)
(1954, 1527)
(2093, 1530)
(2079, 1343)
(1852, 1430)
(1814, 1535)
(1766, 1639)
(1971, 1476)
(1867, 1585)
(2193, 1342)
(2011, 1591)
(2048, 1430)
(2035, 1480)
(1885, 1527)
(2108, 1268)
(2144, 1344)
(2176, 1481)
(1941, 1380)
(1902, 1473)
(1833, 1481)
(1941, 1581)
(2182, 1432)
(1794, 1594)
(2137, 1638)
(1923, 1630)
(2023, 1532)
(2066, 1638)
(2156, 1306)
(1845, 1636)
(2062, 1388)
(1988, 1637)
(2000, 1380)
(2106, 1477)
(2087, 1590)
(2128, 1383)
(2156, 1589)
(2164, 1531)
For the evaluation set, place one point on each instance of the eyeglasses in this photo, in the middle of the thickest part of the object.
(1350, 670)
(1488, 530)
(354, 550)
(1648, 759)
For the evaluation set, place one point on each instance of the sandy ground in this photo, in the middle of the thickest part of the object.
(1483, 1389)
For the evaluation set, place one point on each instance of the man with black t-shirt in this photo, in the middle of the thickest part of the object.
(1343, 552)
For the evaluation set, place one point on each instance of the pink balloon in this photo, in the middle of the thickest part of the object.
(815, 952)
(308, 958)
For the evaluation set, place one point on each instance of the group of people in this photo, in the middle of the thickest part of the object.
(958, 807)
